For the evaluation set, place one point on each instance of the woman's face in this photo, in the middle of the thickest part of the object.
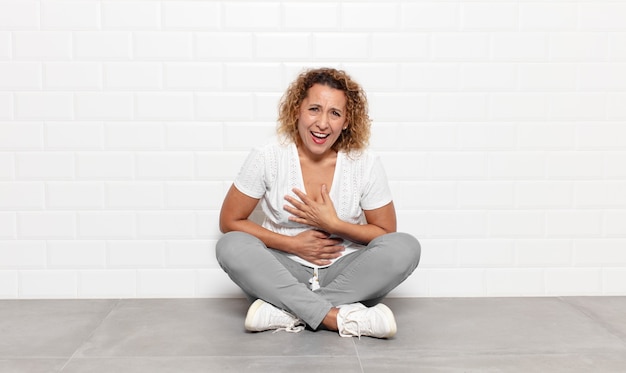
(321, 120)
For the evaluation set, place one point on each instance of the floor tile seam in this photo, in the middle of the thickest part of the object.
(596, 319)
(115, 305)
(94, 357)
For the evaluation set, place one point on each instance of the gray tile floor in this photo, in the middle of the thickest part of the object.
(578, 334)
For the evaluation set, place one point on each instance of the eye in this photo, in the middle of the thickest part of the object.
(314, 109)
(336, 113)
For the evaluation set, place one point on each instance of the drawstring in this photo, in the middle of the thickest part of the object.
(314, 281)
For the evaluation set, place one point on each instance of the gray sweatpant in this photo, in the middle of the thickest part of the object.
(366, 275)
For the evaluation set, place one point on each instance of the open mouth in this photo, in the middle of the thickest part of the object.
(319, 138)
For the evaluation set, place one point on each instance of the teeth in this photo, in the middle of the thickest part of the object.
(320, 135)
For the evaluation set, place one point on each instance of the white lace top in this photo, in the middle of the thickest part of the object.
(270, 172)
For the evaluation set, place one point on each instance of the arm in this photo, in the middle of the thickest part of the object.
(311, 245)
(322, 215)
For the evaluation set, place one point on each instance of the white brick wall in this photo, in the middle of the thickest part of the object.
(123, 123)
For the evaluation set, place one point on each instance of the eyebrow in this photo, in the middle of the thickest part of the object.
(332, 108)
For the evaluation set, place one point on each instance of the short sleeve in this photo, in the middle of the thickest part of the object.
(376, 191)
(251, 179)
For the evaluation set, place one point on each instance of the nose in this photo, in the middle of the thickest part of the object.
(324, 121)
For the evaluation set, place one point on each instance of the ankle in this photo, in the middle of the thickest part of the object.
(330, 320)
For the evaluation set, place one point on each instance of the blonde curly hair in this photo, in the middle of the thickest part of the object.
(356, 136)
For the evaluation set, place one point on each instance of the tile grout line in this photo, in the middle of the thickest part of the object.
(597, 320)
(87, 338)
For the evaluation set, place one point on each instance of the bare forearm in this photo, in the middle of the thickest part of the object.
(269, 238)
(360, 233)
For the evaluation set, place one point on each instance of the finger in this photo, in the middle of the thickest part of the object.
(303, 197)
(297, 204)
(324, 192)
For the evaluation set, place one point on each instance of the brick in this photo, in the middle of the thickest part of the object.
(379, 77)
(573, 223)
(393, 47)
(272, 46)
(457, 282)
(266, 106)
(6, 105)
(45, 166)
(518, 106)
(486, 195)
(604, 15)
(617, 47)
(104, 105)
(135, 254)
(74, 195)
(370, 16)
(22, 254)
(72, 76)
(198, 136)
(543, 194)
(602, 77)
(192, 76)
(517, 46)
(297, 16)
(578, 106)
(74, 15)
(134, 15)
(425, 195)
(481, 137)
(460, 46)
(614, 165)
(430, 16)
(21, 136)
(613, 280)
(488, 76)
(615, 105)
(191, 15)
(457, 166)
(106, 225)
(110, 45)
(195, 196)
(164, 106)
(429, 136)
(353, 46)
(49, 45)
(516, 165)
(407, 107)
(5, 44)
(165, 224)
(600, 194)
(22, 196)
(170, 165)
(73, 135)
(458, 224)
(577, 165)
(570, 281)
(246, 136)
(547, 77)
(545, 136)
(19, 15)
(489, 16)
(44, 105)
(601, 136)
(8, 284)
(579, 47)
(45, 284)
(487, 253)
(134, 195)
(224, 106)
(191, 254)
(76, 254)
(46, 225)
(614, 222)
(153, 283)
(134, 136)
(251, 16)
(514, 282)
(7, 166)
(163, 45)
(549, 16)
(426, 77)
(224, 45)
(526, 224)
(206, 225)
(8, 225)
(253, 77)
(133, 75)
(395, 164)
(458, 106)
(544, 253)
(223, 165)
(20, 75)
(108, 283)
(105, 165)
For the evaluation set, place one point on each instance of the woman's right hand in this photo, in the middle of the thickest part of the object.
(317, 247)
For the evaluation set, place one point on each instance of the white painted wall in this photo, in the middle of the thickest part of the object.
(122, 124)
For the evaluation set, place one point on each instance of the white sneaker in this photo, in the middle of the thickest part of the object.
(357, 320)
(263, 316)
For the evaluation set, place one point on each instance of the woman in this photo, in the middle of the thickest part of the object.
(328, 245)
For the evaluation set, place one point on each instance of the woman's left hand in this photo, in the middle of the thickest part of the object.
(321, 215)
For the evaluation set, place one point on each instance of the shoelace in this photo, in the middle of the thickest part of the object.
(347, 323)
(295, 327)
